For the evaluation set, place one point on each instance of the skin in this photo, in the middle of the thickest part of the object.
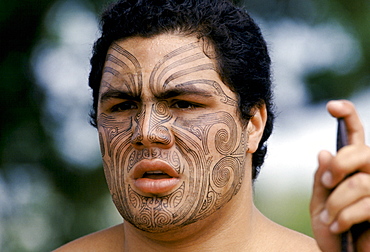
(210, 207)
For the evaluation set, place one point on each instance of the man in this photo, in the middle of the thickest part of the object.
(183, 107)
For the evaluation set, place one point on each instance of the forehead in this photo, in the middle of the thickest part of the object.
(149, 51)
(159, 62)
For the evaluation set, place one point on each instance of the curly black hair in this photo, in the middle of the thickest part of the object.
(241, 52)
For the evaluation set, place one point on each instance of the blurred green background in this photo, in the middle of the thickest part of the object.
(52, 187)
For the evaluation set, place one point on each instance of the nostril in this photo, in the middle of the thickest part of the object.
(137, 138)
(137, 142)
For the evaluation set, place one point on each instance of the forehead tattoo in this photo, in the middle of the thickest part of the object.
(131, 81)
(171, 62)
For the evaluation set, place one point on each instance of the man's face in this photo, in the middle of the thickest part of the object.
(173, 146)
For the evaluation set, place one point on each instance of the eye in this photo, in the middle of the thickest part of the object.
(123, 106)
(184, 105)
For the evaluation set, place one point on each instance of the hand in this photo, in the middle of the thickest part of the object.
(339, 201)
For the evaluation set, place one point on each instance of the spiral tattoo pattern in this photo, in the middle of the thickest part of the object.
(224, 172)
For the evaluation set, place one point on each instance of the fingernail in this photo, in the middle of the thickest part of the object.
(324, 216)
(334, 227)
(327, 179)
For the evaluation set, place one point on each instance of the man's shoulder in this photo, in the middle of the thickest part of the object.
(290, 240)
(110, 239)
(274, 237)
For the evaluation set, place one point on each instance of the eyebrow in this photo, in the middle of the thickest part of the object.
(117, 94)
(183, 90)
(167, 94)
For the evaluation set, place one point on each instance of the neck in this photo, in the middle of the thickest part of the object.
(229, 227)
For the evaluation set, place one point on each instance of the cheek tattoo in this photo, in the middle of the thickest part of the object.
(208, 149)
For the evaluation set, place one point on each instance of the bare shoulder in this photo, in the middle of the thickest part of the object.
(110, 239)
(295, 241)
(284, 239)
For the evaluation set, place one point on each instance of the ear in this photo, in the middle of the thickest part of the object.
(255, 127)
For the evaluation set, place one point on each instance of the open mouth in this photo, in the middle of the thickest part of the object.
(156, 175)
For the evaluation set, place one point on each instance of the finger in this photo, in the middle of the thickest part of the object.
(352, 190)
(320, 193)
(326, 240)
(354, 214)
(346, 110)
(349, 159)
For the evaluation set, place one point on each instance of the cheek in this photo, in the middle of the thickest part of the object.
(112, 133)
(217, 133)
(114, 138)
(226, 178)
(221, 146)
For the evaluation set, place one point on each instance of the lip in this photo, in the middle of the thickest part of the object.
(154, 186)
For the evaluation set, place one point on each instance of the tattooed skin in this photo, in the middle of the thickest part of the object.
(162, 99)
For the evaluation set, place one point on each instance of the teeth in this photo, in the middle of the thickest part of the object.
(155, 172)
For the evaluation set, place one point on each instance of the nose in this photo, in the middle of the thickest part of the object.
(152, 127)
